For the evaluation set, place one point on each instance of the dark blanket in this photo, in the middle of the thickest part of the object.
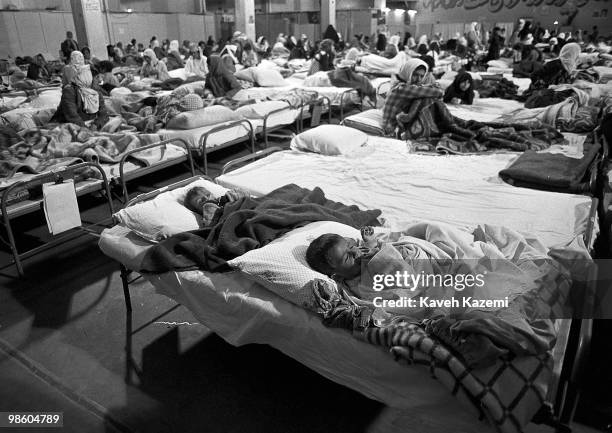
(552, 172)
(346, 77)
(247, 224)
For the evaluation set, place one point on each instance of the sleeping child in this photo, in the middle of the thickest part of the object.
(452, 277)
(202, 202)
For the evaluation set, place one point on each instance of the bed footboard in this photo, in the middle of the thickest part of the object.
(204, 139)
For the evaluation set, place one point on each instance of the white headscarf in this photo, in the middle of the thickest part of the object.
(82, 78)
(569, 55)
(407, 69)
(174, 46)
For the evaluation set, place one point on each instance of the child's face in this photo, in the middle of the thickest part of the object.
(198, 199)
(345, 258)
(464, 85)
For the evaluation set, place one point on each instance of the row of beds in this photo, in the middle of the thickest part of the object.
(465, 189)
(191, 147)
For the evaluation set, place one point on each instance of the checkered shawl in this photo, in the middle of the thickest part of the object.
(507, 393)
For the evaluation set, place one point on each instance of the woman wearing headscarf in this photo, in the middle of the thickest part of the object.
(196, 65)
(429, 79)
(531, 62)
(331, 33)
(381, 43)
(298, 52)
(37, 70)
(407, 89)
(249, 56)
(152, 67)
(323, 60)
(220, 81)
(77, 61)
(461, 91)
(262, 46)
(473, 37)
(558, 71)
(495, 45)
(80, 103)
(173, 58)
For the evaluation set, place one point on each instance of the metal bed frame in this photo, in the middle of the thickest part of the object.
(564, 393)
(15, 210)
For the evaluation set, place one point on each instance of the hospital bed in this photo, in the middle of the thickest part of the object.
(463, 193)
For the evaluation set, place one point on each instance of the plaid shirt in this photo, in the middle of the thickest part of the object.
(400, 97)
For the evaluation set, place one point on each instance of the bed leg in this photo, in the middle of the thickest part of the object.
(129, 362)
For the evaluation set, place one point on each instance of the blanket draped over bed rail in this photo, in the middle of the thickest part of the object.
(250, 223)
(500, 360)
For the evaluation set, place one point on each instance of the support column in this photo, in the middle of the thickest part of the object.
(245, 17)
(328, 14)
(90, 26)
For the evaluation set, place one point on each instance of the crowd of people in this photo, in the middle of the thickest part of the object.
(86, 79)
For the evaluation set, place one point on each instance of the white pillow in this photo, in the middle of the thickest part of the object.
(281, 265)
(165, 215)
(330, 140)
(261, 109)
(247, 74)
(268, 78)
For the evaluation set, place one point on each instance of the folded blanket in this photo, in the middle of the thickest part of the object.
(247, 224)
(551, 172)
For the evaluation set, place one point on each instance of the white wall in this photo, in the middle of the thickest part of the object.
(30, 33)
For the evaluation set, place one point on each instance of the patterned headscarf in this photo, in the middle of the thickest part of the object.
(569, 55)
(151, 55)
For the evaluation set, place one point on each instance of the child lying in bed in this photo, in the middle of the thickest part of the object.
(201, 201)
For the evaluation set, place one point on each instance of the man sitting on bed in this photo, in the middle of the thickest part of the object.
(202, 202)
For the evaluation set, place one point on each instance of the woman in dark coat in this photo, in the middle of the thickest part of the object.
(220, 80)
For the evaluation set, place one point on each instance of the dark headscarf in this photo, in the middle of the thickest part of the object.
(454, 91)
(381, 43)
(331, 33)
(431, 63)
(220, 80)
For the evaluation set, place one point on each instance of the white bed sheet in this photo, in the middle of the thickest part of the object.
(243, 312)
(484, 109)
(384, 171)
(192, 136)
(333, 93)
(282, 118)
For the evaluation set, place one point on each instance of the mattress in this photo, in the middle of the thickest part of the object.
(369, 121)
(411, 187)
(333, 93)
(192, 136)
(244, 312)
(282, 118)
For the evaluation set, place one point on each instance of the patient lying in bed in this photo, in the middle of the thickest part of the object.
(492, 282)
(201, 201)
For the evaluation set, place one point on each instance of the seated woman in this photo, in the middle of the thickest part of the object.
(461, 91)
(37, 69)
(531, 62)
(558, 71)
(173, 57)
(153, 68)
(196, 65)
(77, 60)
(407, 96)
(429, 79)
(323, 60)
(80, 103)
(249, 56)
(220, 81)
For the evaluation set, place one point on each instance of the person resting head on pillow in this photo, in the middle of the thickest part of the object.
(201, 201)
(461, 91)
